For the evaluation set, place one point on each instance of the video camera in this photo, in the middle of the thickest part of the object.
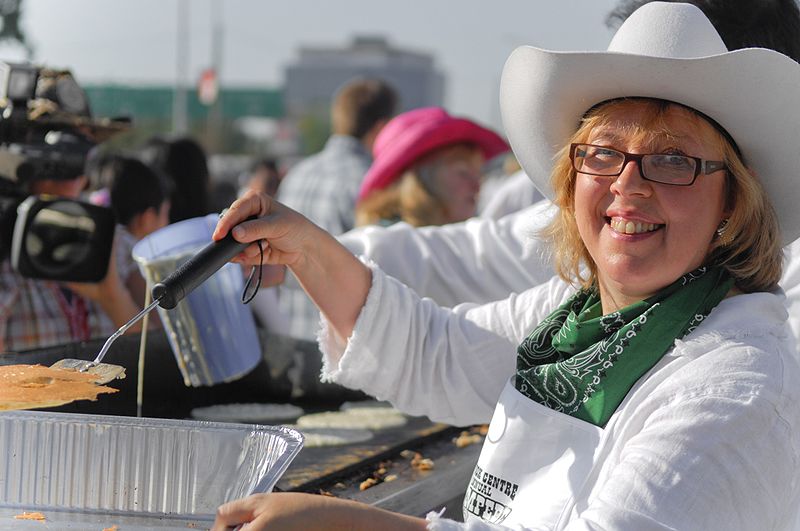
(47, 132)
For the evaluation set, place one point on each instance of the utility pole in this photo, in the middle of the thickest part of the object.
(214, 122)
(180, 121)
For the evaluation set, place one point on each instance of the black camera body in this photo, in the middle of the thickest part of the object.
(46, 132)
(60, 239)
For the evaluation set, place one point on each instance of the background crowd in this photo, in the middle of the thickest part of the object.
(436, 201)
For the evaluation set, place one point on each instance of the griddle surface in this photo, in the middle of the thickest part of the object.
(314, 467)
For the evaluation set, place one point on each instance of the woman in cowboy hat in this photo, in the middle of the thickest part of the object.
(426, 169)
(653, 385)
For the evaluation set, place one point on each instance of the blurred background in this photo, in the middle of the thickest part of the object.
(254, 79)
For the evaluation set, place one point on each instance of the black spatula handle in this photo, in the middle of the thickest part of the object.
(171, 290)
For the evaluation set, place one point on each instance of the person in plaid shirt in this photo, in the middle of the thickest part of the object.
(39, 313)
(324, 187)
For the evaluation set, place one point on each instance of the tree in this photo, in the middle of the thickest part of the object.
(10, 13)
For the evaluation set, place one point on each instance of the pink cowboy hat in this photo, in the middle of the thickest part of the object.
(410, 135)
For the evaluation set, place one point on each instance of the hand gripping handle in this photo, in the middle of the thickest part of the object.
(171, 290)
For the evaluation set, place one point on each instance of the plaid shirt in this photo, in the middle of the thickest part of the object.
(123, 252)
(324, 188)
(42, 313)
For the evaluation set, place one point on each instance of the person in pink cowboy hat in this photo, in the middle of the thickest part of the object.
(653, 383)
(426, 169)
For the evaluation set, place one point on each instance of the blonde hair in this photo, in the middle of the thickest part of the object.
(750, 247)
(413, 197)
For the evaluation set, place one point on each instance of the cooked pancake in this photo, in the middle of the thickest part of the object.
(317, 437)
(362, 404)
(369, 418)
(247, 412)
(37, 386)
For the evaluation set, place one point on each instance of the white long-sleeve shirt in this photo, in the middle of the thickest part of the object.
(709, 439)
(482, 260)
(516, 193)
(478, 260)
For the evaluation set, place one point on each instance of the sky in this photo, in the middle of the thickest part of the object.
(137, 41)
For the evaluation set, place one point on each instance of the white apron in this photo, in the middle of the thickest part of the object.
(533, 462)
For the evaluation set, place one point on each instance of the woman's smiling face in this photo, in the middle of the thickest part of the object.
(644, 235)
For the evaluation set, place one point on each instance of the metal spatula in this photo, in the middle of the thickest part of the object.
(167, 294)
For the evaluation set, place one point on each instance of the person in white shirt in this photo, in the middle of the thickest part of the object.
(654, 385)
(516, 193)
(482, 259)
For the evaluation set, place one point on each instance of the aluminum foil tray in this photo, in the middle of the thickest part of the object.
(136, 467)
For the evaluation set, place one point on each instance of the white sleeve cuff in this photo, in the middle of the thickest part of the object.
(338, 352)
(437, 523)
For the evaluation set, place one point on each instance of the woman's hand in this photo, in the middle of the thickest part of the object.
(287, 237)
(335, 280)
(110, 294)
(285, 511)
(290, 511)
(110, 284)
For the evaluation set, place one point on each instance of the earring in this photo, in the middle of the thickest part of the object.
(721, 232)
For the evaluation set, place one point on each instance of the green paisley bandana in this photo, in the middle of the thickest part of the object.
(583, 363)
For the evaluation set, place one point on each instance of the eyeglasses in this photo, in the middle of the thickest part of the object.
(665, 168)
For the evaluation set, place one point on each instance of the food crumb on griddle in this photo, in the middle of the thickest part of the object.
(378, 476)
(421, 463)
(466, 438)
(39, 517)
(367, 483)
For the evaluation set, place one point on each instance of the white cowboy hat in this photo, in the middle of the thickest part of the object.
(672, 52)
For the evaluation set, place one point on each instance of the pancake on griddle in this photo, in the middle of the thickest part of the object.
(37, 386)
(368, 418)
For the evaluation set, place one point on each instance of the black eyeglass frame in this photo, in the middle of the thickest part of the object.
(705, 167)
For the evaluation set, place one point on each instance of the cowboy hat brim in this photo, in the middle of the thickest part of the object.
(751, 93)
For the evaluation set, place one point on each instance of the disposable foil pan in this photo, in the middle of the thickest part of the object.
(130, 466)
